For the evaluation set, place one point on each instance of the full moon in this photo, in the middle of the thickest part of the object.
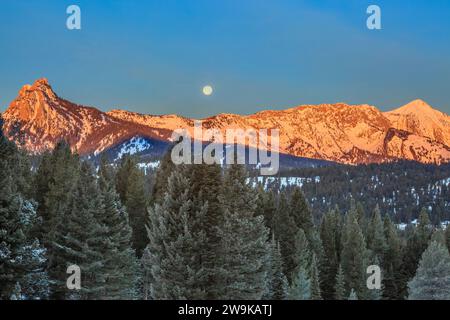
(207, 90)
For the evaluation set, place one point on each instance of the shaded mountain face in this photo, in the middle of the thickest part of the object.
(353, 134)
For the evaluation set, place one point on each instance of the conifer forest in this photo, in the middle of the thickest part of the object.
(194, 232)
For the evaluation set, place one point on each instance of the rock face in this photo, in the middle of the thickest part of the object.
(37, 119)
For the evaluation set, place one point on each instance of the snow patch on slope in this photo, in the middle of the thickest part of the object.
(133, 146)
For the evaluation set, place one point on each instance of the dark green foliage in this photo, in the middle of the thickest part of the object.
(22, 258)
(315, 280)
(285, 232)
(400, 188)
(417, 240)
(339, 287)
(376, 241)
(447, 237)
(55, 183)
(176, 251)
(353, 255)
(293, 215)
(392, 261)
(277, 283)
(120, 264)
(208, 232)
(432, 280)
(76, 239)
(130, 185)
(300, 288)
(161, 177)
(266, 206)
(330, 230)
(244, 249)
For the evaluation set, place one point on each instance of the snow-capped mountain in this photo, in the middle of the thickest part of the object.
(342, 133)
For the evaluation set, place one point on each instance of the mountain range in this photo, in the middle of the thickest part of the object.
(351, 134)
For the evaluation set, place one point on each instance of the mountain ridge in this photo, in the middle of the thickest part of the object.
(352, 134)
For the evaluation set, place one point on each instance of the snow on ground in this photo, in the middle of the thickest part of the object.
(402, 226)
(284, 181)
(148, 165)
(133, 146)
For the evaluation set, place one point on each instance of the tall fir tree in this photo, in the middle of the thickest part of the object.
(285, 233)
(162, 175)
(376, 241)
(353, 254)
(391, 261)
(177, 247)
(417, 241)
(76, 239)
(276, 282)
(329, 234)
(244, 246)
(206, 184)
(55, 182)
(120, 264)
(432, 280)
(22, 257)
(315, 280)
(130, 185)
(339, 287)
(302, 216)
(266, 206)
(300, 288)
(447, 237)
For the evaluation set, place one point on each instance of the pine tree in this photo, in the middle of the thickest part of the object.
(17, 292)
(55, 181)
(376, 241)
(277, 283)
(266, 206)
(77, 240)
(177, 246)
(22, 258)
(417, 242)
(353, 254)
(162, 175)
(303, 254)
(302, 216)
(391, 261)
(424, 228)
(300, 210)
(432, 280)
(301, 286)
(120, 265)
(206, 184)
(329, 234)
(244, 246)
(130, 186)
(439, 236)
(315, 280)
(285, 233)
(339, 289)
(447, 237)
(353, 295)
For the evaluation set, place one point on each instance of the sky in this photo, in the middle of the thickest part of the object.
(155, 56)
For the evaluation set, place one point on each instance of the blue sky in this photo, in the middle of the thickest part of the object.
(155, 56)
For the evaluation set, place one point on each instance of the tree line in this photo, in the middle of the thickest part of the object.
(196, 232)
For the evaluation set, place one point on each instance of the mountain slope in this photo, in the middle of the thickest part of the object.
(37, 119)
(421, 119)
(342, 133)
